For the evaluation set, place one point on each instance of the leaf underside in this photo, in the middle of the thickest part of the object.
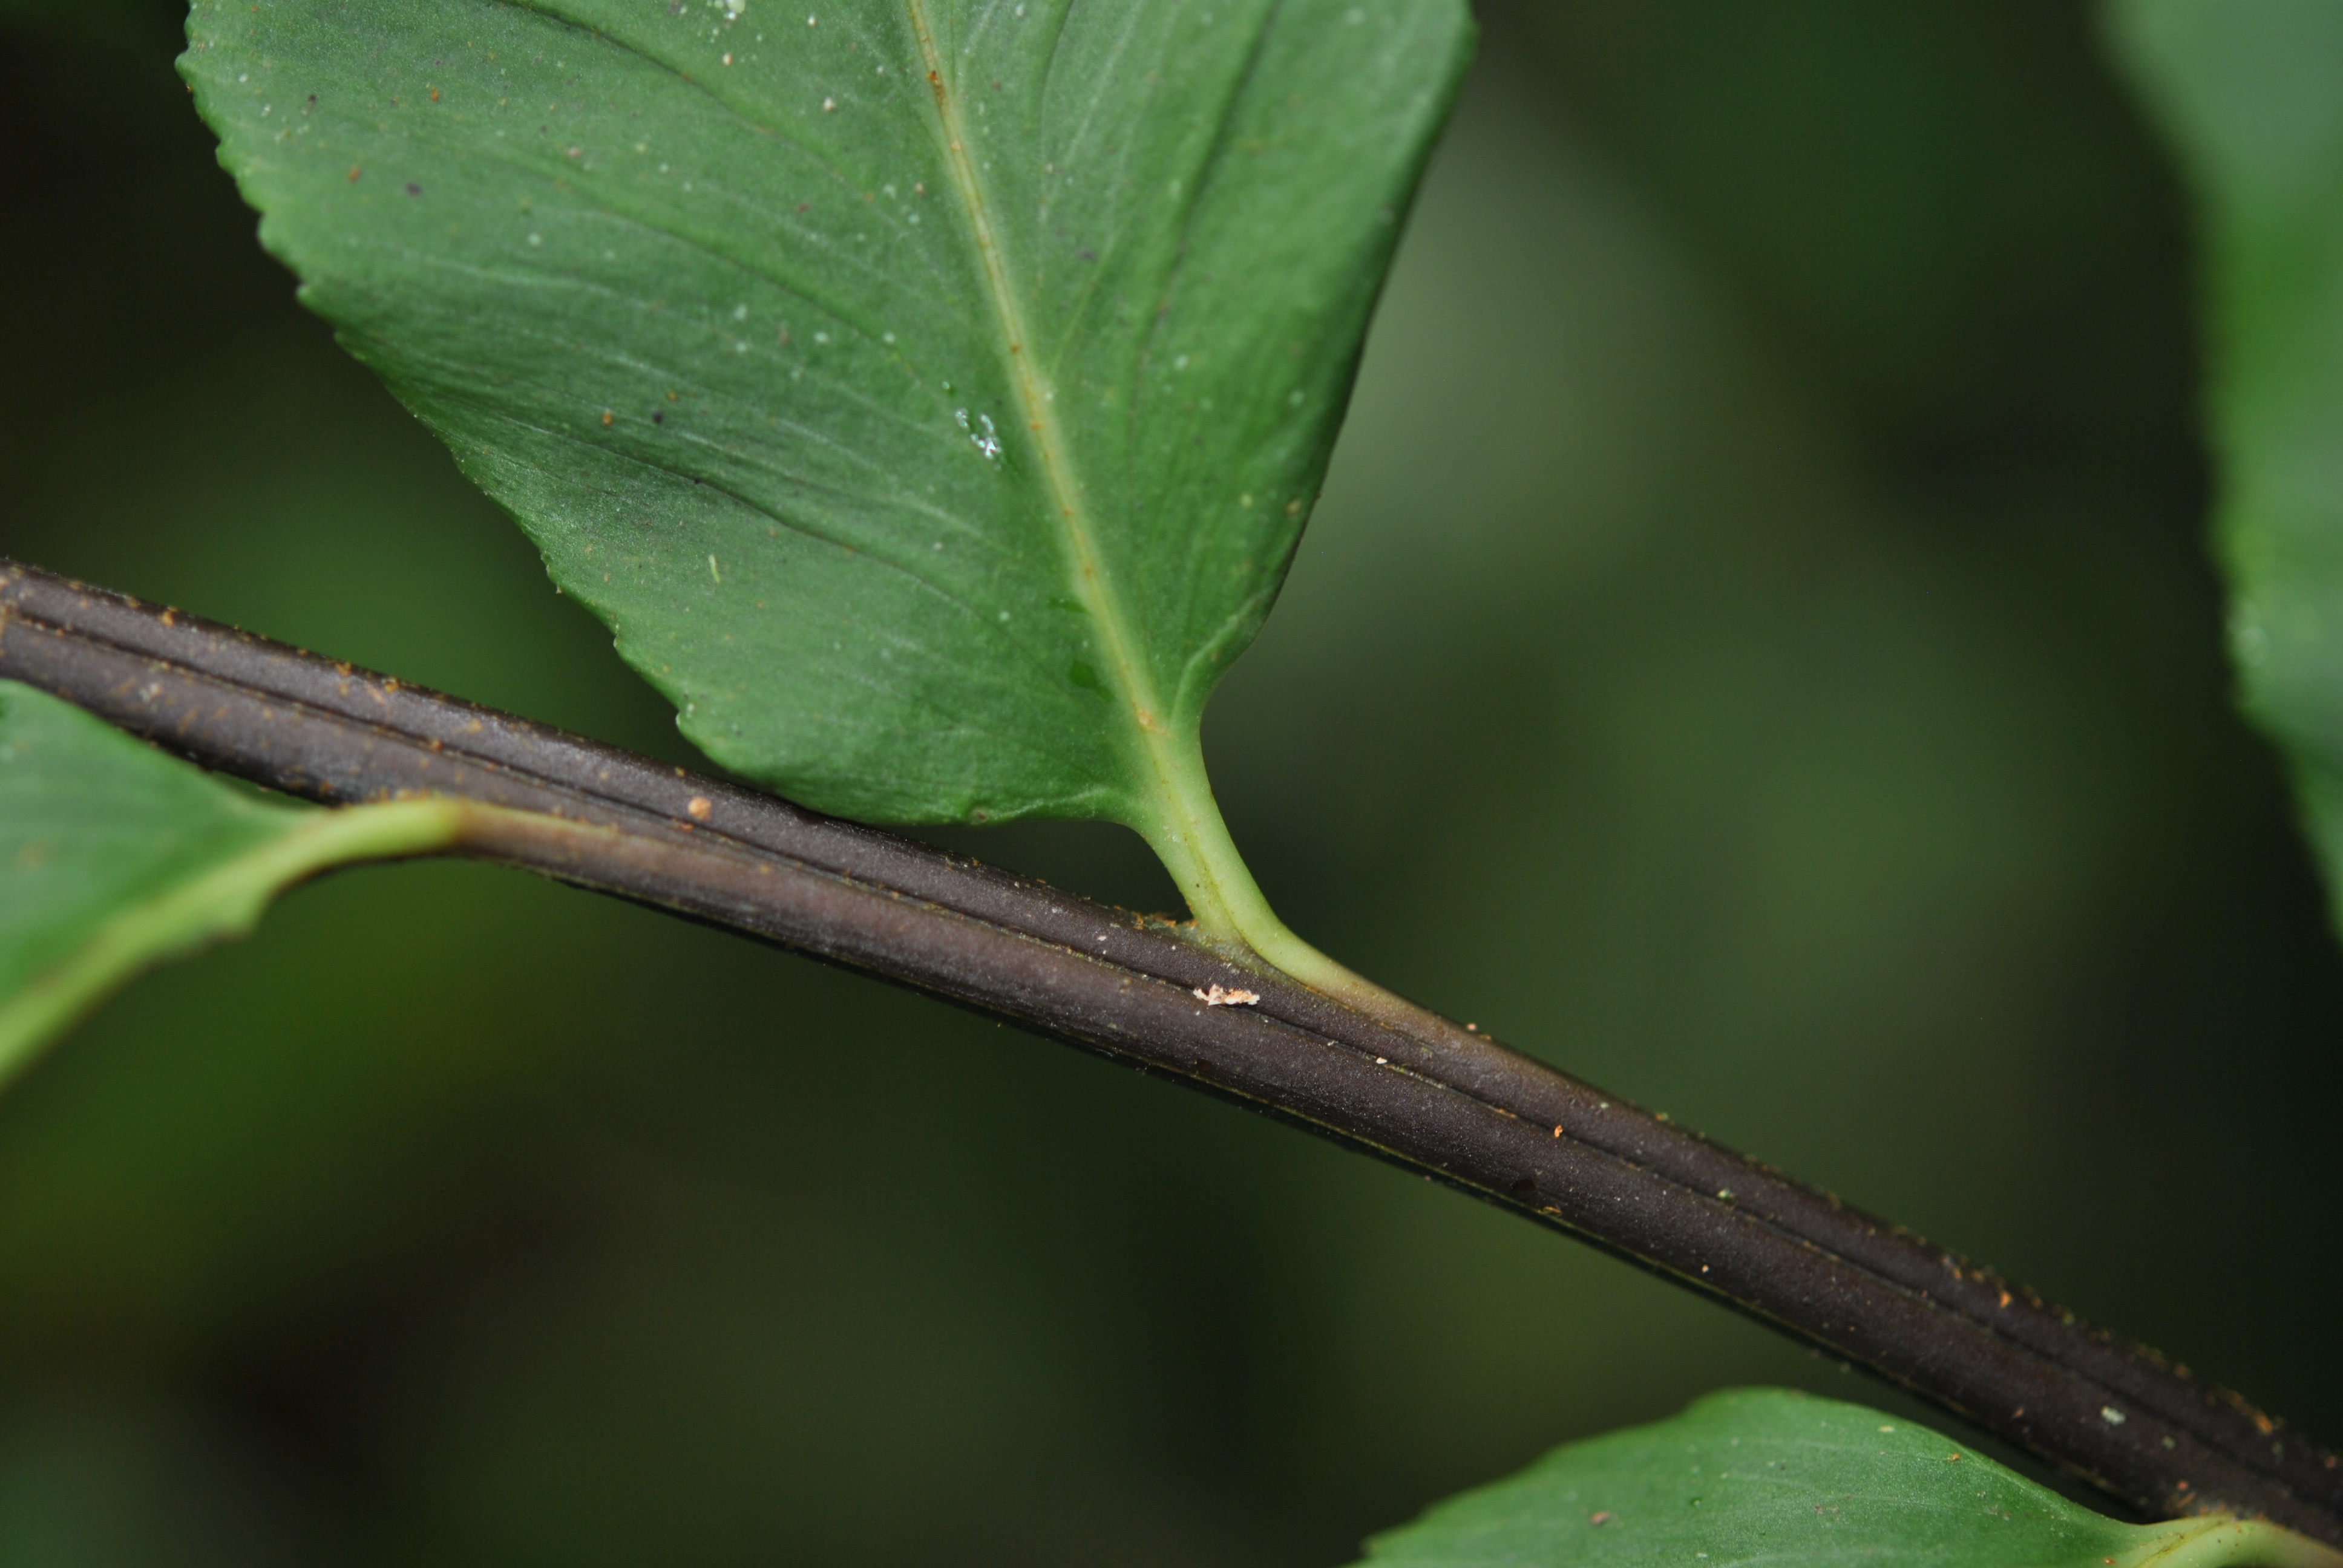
(96, 828)
(2252, 95)
(115, 857)
(929, 393)
(1768, 1476)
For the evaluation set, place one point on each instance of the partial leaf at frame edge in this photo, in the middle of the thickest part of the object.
(2251, 96)
(928, 393)
(115, 857)
(1767, 1475)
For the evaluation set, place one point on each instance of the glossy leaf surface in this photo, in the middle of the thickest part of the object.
(1768, 1476)
(930, 394)
(113, 857)
(2251, 95)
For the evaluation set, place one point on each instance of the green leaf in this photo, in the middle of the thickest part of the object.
(115, 857)
(928, 393)
(2251, 93)
(1766, 1476)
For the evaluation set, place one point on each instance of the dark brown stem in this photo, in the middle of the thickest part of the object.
(1416, 1091)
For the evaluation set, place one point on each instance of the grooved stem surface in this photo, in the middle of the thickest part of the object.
(1414, 1089)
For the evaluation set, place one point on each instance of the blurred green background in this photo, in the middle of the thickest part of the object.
(1756, 651)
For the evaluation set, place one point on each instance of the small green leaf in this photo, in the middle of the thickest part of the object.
(1766, 1476)
(2251, 93)
(115, 857)
(928, 393)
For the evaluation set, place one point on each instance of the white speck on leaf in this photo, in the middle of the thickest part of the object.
(988, 440)
(1220, 996)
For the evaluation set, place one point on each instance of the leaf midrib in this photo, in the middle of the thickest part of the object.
(1071, 515)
